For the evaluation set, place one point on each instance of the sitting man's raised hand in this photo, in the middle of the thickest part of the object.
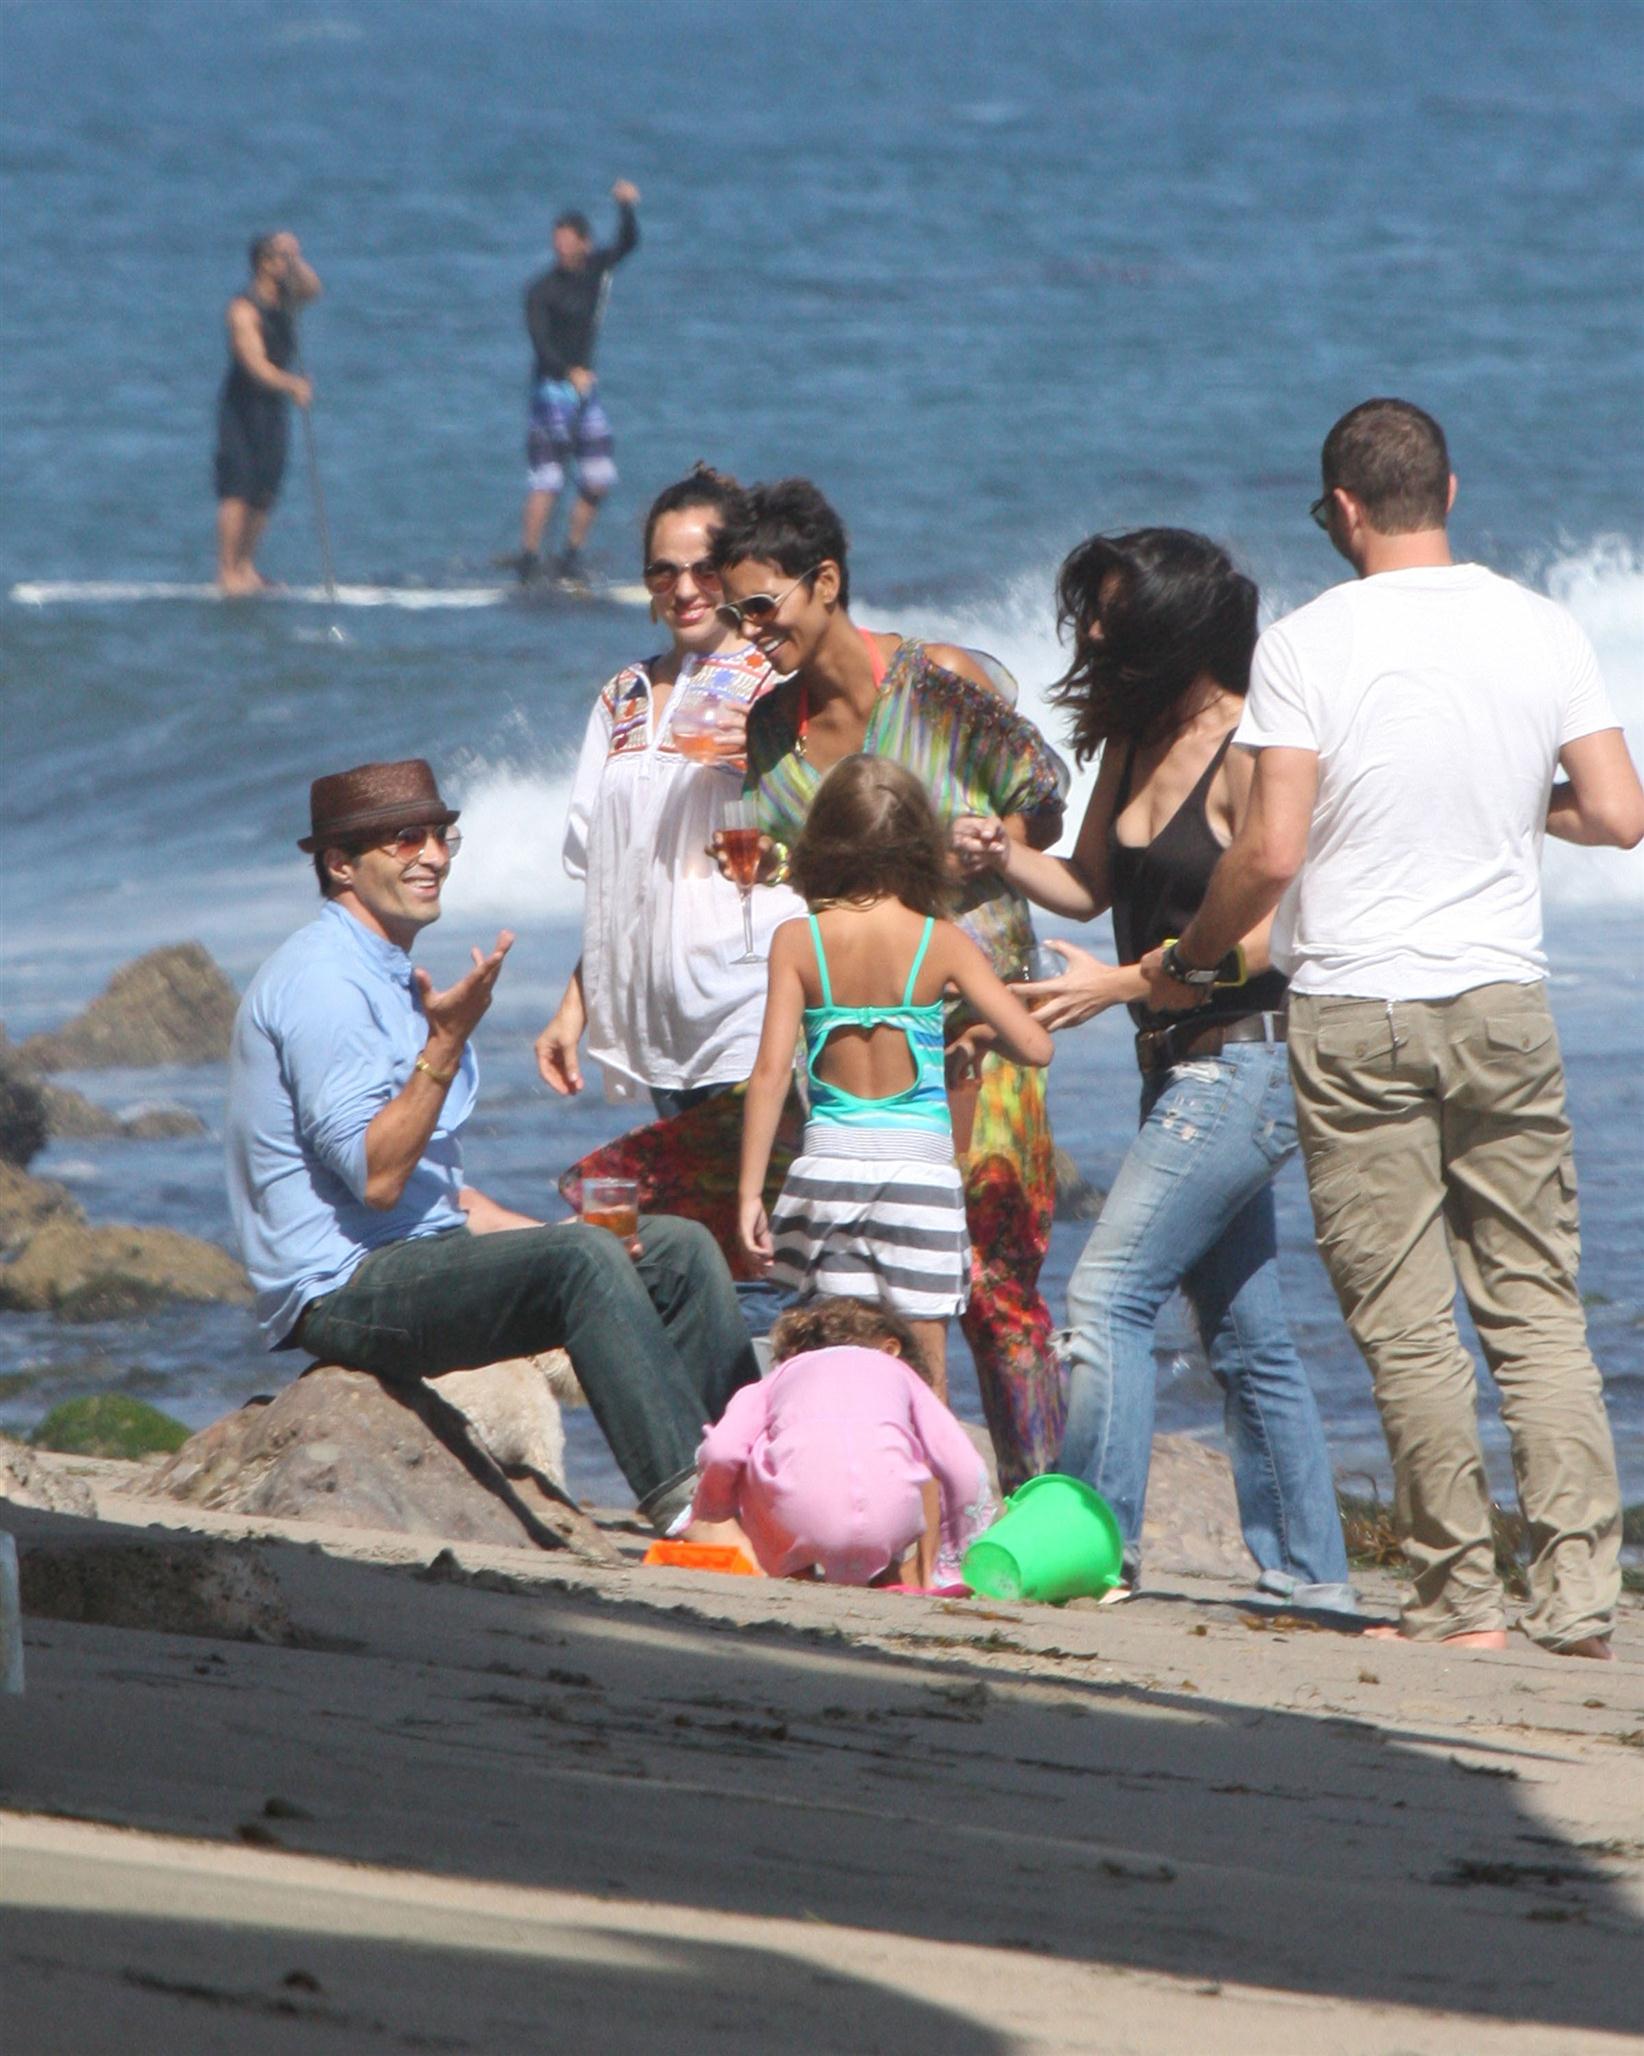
(455, 1013)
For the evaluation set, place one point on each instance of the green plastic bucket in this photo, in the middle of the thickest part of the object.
(1056, 1539)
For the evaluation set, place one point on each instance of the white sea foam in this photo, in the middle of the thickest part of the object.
(514, 809)
(513, 827)
(1603, 586)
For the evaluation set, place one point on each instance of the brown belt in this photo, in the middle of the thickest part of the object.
(1158, 1048)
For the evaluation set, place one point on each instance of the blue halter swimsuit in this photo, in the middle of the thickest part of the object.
(873, 1208)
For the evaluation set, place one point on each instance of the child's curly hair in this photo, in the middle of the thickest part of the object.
(872, 833)
(829, 1323)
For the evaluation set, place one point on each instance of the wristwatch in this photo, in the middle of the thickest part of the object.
(1175, 965)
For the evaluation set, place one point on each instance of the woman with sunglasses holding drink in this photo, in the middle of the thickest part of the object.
(938, 711)
(663, 994)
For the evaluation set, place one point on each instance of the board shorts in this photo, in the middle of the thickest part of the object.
(251, 446)
(566, 428)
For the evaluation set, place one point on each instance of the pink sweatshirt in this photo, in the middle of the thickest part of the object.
(822, 1463)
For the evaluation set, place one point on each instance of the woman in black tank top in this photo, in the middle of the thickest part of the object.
(1163, 629)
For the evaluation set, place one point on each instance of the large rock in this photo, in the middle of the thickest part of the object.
(513, 1408)
(94, 1274)
(339, 1447)
(1192, 1521)
(110, 1424)
(179, 1586)
(173, 1006)
(33, 1112)
(23, 1124)
(1076, 1198)
(70, 1114)
(26, 1481)
(26, 1204)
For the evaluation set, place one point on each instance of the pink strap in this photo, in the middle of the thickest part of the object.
(876, 656)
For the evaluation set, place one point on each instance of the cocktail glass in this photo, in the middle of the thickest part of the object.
(739, 841)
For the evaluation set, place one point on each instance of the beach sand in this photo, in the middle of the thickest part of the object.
(495, 1800)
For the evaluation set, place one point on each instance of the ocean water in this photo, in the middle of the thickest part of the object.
(994, 278)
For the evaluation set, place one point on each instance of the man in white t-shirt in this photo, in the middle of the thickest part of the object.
(1410, 728)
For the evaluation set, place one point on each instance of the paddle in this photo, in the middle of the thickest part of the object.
(311, 446)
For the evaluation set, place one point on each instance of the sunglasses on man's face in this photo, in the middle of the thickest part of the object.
(662, 574)
(759, 609)
(405, 845)
(1320, 510)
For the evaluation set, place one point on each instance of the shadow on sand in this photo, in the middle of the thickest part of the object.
(630, 1748)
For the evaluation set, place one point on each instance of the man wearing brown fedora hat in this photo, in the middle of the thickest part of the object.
(350, 1080)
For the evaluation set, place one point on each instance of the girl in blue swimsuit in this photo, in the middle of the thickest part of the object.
(873, 1208)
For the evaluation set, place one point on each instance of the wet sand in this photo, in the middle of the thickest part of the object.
(493, 1800)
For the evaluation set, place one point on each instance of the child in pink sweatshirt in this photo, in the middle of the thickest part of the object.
(843, 1461)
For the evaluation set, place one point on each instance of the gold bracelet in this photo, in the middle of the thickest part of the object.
(439, 1077)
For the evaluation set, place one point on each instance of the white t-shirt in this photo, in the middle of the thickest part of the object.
(1437, 700)
(668, 1003)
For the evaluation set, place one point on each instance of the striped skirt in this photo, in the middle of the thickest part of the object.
(875, 1214)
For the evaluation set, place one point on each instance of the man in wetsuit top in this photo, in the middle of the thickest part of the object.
(251, 407)
(568, 424)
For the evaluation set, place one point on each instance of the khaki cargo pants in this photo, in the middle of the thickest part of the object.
(1437, 1148)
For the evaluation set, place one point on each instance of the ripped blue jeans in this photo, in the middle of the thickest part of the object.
(1192, 1206)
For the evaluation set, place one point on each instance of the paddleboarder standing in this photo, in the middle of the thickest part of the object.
(251, 406)
(568, 425)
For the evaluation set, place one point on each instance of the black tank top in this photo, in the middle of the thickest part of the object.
(1158, 888)
(240, 389)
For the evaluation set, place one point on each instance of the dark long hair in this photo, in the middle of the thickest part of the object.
(872, 833)
(702, 486)
(1171, 606)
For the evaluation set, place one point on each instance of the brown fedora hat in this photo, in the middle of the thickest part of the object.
(350, 804)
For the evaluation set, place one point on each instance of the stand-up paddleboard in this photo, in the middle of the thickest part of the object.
(67, 592)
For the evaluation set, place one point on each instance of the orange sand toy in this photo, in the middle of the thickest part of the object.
(701, 1556)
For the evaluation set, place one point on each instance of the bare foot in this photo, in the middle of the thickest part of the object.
(1595, 1646)
(242, 585)
(1472, 1638)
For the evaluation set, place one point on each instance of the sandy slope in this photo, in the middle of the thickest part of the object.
(517, 1803)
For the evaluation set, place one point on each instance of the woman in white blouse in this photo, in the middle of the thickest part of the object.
(659, 993)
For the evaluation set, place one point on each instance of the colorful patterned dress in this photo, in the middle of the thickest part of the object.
(974, 755)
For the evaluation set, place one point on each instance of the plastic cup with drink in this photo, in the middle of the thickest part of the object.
(709, 719)
(612, 1203)
(1040, 963)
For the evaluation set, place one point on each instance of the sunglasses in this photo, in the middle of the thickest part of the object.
(760, 608)
(407, 844)
(1320, 510)
(661, 575)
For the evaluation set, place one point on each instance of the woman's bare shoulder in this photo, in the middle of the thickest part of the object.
(963, 664)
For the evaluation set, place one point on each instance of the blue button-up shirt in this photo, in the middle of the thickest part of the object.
(326, 1035)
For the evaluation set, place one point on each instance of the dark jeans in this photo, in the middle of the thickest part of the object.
(657, 1342)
